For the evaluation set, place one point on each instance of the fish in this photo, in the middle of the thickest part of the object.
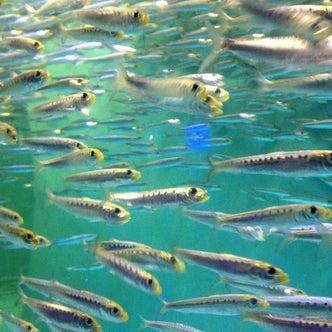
(301, 163)
(92, 209)
(278, 216)
(152, 258)
(105, 176)
(9, 216)
(285, 50)
(73, 102)
(56, 7)
(300, 22)
(168, 326)
(96, 305)
(128, 271)
(170, 92)
(16, 324)
(67, 85)
(56, 143)
(300, 305)
(8, 133)
(265, 290)
(236, 268)
(289, 322)
(92, 33)
(19, 236)
(315, 84)
(219, 304)
(87, 157)
(24, 83)
(114, 244)
(162, 197)
(61, 315)
(114, 18)
(75, 239)
(21, 43)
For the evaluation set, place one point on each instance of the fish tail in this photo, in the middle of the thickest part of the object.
(31, 11)
(63, 33)
(213, 169)
(218, 46)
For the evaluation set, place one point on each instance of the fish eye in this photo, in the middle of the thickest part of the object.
(253, 301)
(28, 237)
(88, 321)
(271, 270)
(29, 327)
(115, 310)
(136, 14)
(37, 74)
(78, 145)
(173, 259)
(92, 153)
(313, 209)
(84, 95)
(315, 26)
(129, 172)
(217, 91)
(8, 131)
(117, 210)
(193, 191)
(194, 87)
(36, 44)
(150, 281)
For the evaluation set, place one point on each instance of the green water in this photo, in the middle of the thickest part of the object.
(277, 126)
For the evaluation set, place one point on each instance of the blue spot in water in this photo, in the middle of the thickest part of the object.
(198, 137)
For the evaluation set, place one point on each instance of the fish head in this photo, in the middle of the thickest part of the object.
(178, 264)
(270, 274)
(10, 134)
(318, 212)
(38, 76)
(87, 98)
(151, 284)
(29, 238)
(197, 195)
(131, 174)
(255, 302)
(116, 214)
(114, 310)
(78, 82)
(141, 17)
(37, 46)
(94, 153)
(88, 323)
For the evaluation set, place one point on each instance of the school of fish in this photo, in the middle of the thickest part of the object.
(121, 122)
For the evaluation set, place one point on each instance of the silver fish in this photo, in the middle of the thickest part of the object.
(162, 197)
(302, 163)
(236, 267)
(62, 316)
(225, 304)
(92, 209)
(94, 304)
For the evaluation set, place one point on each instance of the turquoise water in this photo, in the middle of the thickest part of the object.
(276, 125)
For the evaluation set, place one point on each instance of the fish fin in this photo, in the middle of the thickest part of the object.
(63, 33)
(326, 242)
(90, 267)
(163, 308)
(217, 47)
(30, 9)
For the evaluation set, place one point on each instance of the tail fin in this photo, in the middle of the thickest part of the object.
(217, 47)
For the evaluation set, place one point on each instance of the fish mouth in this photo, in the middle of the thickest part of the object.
(204, 198)
(100, 156)
(145, 20)
(124, 317)
(137, 176)
(120, 35)
(125, 217)
(328, 214)
(282, 279)
(92, 98)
